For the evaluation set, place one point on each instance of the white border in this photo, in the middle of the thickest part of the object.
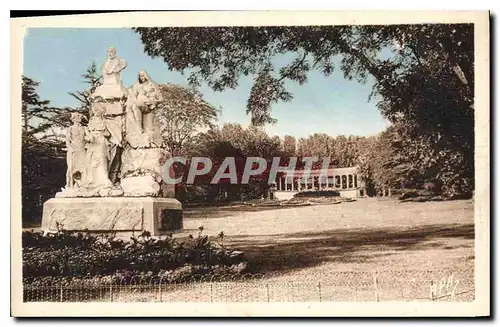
(479, 307)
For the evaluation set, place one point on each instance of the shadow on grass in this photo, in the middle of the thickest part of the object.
(223, 212)
(306, 249)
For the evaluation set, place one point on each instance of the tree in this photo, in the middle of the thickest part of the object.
(238, 142)
(183, 114)
(380, 163)
(423, 73)
(37, 116)
(93, 79)
(221, 55)
(233, 140)
(289, 146)
(42, 155)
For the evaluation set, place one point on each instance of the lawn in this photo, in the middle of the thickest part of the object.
(407, 244)
(363, 235)
(370, 249)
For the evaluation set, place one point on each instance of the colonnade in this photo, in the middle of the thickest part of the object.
(335, 182)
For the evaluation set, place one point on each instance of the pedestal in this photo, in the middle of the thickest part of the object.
(159, 216)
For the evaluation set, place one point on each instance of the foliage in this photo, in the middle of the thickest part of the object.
(221, 55)
(423, 74)
(41, 177)
(342, 151)
(289, 146)
(75, 255)
(232, 139)
(40, 120)
(397, 161)
(42, 152)
(319, 193)
(183, 114)
(92, 78)
(229, 140)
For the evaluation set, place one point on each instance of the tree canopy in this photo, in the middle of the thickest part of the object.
(221, 55)
(183, 114)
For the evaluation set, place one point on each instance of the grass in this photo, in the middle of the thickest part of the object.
(366, 234)
(314, 243)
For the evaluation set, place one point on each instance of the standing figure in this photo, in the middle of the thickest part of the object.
(75, 157)
(97, 159)
(142, 125)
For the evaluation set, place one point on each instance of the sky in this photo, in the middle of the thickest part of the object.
(57, 57)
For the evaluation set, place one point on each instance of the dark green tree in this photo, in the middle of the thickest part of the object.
(42, 154)
(38, 117)
(92, 78)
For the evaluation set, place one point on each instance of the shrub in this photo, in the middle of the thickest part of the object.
(317, 193)
(76, 255)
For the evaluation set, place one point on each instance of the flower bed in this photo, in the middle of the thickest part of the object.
(65, 256)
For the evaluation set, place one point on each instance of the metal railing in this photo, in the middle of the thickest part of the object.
(400, 285)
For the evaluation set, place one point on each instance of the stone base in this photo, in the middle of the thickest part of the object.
(140, 186)
(159, 216)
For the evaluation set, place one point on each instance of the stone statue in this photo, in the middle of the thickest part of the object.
(122, 151)
(75, 144)
(97, 156)
(93, 160)
(143, 128)
(120, 154)
(144, 153)
(112, 94)
(112, 87)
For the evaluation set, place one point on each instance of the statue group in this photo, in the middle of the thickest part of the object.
(120, 152)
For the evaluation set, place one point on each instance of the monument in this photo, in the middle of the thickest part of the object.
(115, 179)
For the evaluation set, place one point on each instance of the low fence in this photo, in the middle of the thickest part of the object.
(407, 285)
